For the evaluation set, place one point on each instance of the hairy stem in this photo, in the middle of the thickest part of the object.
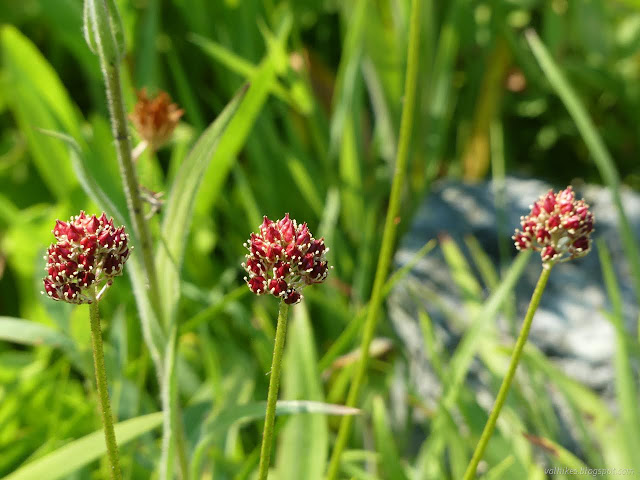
(104, 17)
(272, 396)
(103, 392)
(389, 235)
(506, 382)
(107, 50)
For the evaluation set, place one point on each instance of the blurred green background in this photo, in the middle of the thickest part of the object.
(315, 137)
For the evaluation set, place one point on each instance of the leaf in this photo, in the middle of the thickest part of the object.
(26, 332)
(596, 146)
(38, 100)
(170, 411)
(463, 357)
(461, 272)
(179, 208)
(65, 460)
(88, 180)
(626, 392)
(303, 443)
(243, 414)
(385, 443)
(243, 67)
(230, 145)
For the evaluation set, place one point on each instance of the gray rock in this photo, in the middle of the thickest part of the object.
(570, 325)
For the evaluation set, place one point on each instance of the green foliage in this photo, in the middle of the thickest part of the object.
(315, 134)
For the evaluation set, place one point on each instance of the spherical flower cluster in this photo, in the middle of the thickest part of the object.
(283, 258)
(155, 118)
(559, 226)
(88, 251)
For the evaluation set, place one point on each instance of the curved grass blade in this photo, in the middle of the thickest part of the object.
(179, 207)
(595, 145)
(65, 460)
(247, 413)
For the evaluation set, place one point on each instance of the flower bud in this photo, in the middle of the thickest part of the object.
(88, 252)
(558, 226)
(283, 258)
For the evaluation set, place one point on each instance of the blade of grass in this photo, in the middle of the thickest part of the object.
(66, 460)
(239, 65)
(341, 344)
(239, 127)
(389, 235)
(561, 455)
(38, 99)
(626, 393)
(247, 413)
(463, 357)
(304, 441)
(596, 146)
(385, 443)
(178, 215)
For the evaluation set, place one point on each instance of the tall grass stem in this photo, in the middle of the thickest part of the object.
(506, 382)
(389, 235)
(272, 396)
(103, 392)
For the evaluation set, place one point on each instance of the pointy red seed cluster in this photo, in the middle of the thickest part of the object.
(88, 251)
(559, 227)
(283, 258)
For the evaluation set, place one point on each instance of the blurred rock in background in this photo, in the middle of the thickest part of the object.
(570, 326)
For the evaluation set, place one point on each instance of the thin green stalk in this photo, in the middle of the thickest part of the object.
(389, 235)
(103, 391)
(596, 146)
(272, 396)
(109, 52)
(506, 382)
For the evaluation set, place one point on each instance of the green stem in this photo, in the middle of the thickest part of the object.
(513, 365)
(103, 391)
(108, 52)
(272, 396)
(389, 235)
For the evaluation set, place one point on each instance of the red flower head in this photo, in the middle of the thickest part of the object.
(88, 251)
(559, 227)
(283, 258)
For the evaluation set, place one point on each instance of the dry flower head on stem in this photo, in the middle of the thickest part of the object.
(155, 118)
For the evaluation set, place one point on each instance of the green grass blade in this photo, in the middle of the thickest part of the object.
(385, 443)
(342, 343)
(463, 277)
(626, 392)
(179, 209)
(25, 332)
(240, 126)
(250, 412)
(463, 357)
(304, 441)
(239, 65)
(38, 100)
(65, 460)
(596, 146)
